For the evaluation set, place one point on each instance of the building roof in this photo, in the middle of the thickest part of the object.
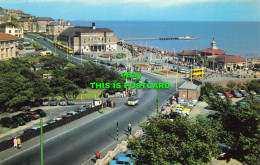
(189, 85)
(7, 37)
(213, 51)
(189, 53)
(229, 59)
(56, 23)
(71, 31)
(43, 19)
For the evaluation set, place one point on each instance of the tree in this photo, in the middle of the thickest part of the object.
(54, 62)
(177, 142)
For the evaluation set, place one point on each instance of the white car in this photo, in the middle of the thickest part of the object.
(220, 95)
(182, 71)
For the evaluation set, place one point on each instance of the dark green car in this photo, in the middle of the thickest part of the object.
(19, 120)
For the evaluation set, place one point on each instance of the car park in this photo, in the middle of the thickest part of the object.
(62, 102)
(8, 122)
(33, 115)
(220, 95)
(40, 112)
(25, 117)
(25, 108)
(19, 120)
(127, 153)
(70, 101)
(235, 93)
(228, 94)
(244, 93)
(45, 102)
(54, 102)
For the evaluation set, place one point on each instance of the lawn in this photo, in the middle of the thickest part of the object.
(84, 96)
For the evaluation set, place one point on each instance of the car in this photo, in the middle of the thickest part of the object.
(158, 64)
(65, 115)
(122, 160)
(72, 113)
(182, 71)
(33, 115)
(45, 39)
(57, 119)
(252, 92)
(51, 122)
(127, 153)
(54, 102)
(80, 109)
(37, 102)
(220, 95)
(147, 81)
(103, 62)
(12, 109)
(176, 69)
(8, 122)
(25, 117)
(170, 62)
(235, 93)
(62, 102)
(228, 94)
(70, 101)
(121, 65)
(212, 96)
(37, 37)
(25, 108)
(45, 102)
(244, 93)
(19, 120)
(31, 129)
(187, 72)
(40, 112)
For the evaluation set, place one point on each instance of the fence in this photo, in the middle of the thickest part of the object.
(25, 137)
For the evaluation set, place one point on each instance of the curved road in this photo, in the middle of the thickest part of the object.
(76, 142)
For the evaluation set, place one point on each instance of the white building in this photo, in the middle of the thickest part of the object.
(7, 46)
(15, 31)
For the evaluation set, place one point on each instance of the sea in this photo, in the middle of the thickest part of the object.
(236, 38)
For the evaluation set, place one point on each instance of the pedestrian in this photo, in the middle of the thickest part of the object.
(15, 142)
(98, 155)
(112, 104)
(19, 143)
(130, 128)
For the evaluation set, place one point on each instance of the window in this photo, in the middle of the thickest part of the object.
(10, 31)
(109, 40)
(84, 40)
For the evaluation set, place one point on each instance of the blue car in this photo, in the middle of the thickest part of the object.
(122, 160)
(127, 153)
(80, 109)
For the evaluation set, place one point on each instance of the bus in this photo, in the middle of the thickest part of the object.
(197, 73)
(63, 47)
(132, 100)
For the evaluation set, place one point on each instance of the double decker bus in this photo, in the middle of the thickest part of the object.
(63, 47)
(197, 73)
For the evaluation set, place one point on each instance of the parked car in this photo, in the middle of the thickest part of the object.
(51, 121)
(127, 153)
(65, 115)
(244, 93)
(8, 122)
(175, 69)
(170, 62)
(235, 93)
(40, 112)
(12, 109)
(70, 101)
(25, 117)
(45, 102)
(252, 92)
(80, 109)
(147, 81)
(31, 129)
(182, 71)
(228, 94)
(220, 95)
(72, 113)
(122, 160)
(212, 96)
(33, 115)
(223, 149)
(187, 72)
(25, 108)
(121, 65)
(62, 102)
(54, 102)
(37, 102)
(19, 120)
(88, 106)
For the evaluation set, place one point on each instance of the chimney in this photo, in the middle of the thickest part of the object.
(59, 21)
(93, 26)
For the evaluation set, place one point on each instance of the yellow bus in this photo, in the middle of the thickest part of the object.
(197, 73)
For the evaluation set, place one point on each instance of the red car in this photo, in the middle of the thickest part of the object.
(33, 115)
(228, 94)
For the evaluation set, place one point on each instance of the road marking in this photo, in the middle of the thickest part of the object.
(54, 137)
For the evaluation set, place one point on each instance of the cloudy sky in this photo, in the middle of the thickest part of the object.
(175, 10)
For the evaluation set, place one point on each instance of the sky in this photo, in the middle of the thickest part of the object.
(168, 10)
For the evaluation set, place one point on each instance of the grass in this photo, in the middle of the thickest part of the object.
(162, 73)
(83, 96)
(28, 58)
(70, 64)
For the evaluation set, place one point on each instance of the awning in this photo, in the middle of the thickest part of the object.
(240, 64)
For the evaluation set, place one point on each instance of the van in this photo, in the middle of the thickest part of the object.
(45, 53)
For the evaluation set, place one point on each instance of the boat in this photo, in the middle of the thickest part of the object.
(187, 38)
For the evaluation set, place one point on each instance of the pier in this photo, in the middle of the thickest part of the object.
(164, 38)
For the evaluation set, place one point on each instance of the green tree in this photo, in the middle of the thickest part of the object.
(178, 142)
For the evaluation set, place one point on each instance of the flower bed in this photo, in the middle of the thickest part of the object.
(164, 71)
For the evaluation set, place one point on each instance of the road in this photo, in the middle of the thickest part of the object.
(76, 142)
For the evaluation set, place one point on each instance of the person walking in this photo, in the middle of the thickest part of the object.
(112, 104)
(130, 128)
(98, 155)
(19, 143)
(15, 142)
